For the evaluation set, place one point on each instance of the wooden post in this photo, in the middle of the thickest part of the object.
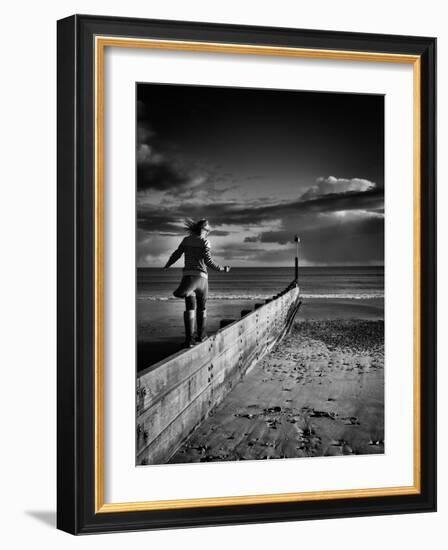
(297, 241)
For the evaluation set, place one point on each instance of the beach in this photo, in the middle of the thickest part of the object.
(327, 294)
(320, 392)
(161, 322)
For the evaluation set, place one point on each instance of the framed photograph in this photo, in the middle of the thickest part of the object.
(246, 274)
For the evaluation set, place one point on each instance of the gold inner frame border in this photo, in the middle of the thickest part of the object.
(101, 42)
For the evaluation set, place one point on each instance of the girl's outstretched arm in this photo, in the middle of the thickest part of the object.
(209, 261)
(175, 255)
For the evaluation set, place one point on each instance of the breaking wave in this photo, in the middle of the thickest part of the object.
(347, 296)
(245, 297)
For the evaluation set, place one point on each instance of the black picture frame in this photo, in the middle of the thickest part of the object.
(77, 511)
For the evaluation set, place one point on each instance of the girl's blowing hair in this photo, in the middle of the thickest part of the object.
(195, 227)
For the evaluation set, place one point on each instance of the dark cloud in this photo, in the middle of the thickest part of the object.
(252, 213)
(219, 233)
(155, 169)
(158, 169)
(156, 221)
(279, 237)
(360, 240)
(160, 176)
(355, 241)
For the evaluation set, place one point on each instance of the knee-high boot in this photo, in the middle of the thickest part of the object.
(201, 317)
(189, 316)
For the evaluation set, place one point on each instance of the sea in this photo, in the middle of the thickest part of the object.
(327, 293)
(259, 283)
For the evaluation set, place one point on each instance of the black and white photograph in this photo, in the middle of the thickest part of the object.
(260, 274)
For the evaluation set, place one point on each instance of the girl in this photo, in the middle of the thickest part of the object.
(194, 284)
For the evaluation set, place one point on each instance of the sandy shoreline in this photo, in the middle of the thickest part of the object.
(160, 330)
(319, 393)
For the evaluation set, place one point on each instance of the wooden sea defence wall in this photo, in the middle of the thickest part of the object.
(175, 395)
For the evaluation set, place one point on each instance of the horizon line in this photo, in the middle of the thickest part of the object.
(276, 266)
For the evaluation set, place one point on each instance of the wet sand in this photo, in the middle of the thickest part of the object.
(320, 392)
(161, 327)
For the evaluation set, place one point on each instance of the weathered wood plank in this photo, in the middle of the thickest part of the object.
(175, 395)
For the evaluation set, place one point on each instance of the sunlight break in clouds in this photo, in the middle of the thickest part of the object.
(332, 185)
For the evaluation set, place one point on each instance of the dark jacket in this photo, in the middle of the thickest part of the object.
(197, 256)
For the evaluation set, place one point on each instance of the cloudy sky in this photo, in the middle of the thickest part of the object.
(261, 165)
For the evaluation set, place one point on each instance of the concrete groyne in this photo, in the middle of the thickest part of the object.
(175, 395)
